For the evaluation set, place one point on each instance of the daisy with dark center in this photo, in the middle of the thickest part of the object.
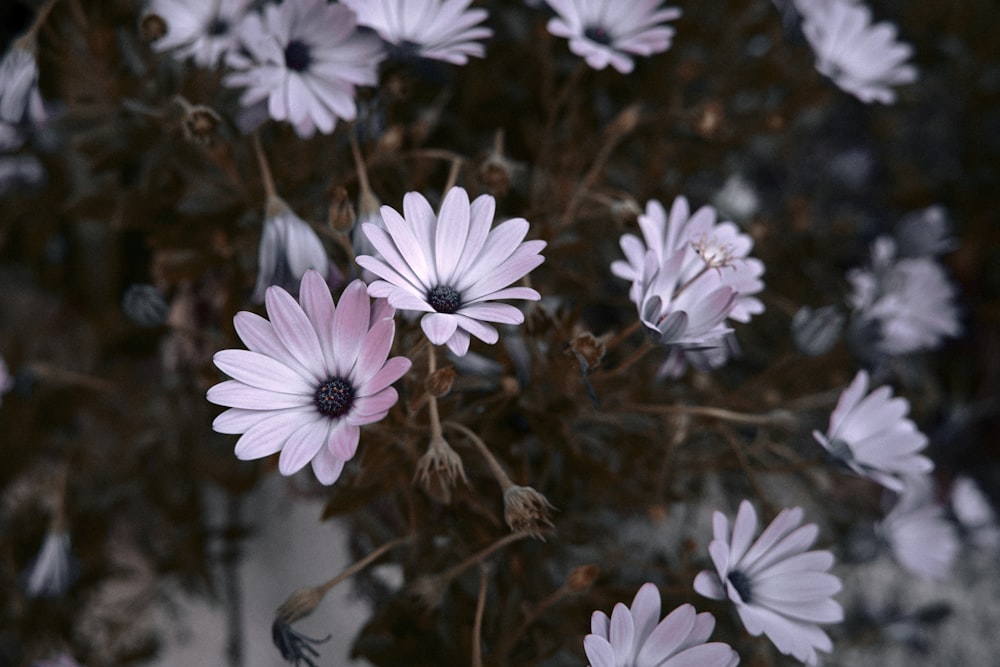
(779, 588)
(305, 57)
(202, 30)
(452, 266)
(311, 377)
(606, 32)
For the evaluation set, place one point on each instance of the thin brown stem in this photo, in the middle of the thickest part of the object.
(777, 417)
(29, 39)
(477, 625)
(622, 335)
(265, 169)
(362, 564)
(501, 475)
(454, 571)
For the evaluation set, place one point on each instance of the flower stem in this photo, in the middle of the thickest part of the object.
(622, 335)
(432, 404)
(265, 169)
(477, 626)
(363, 563)
(498, 472)
(777, 417)
(28, 40)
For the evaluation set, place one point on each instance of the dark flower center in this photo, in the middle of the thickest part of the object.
(596, 33)
(840, 450)
(218, 26)
(741, 583)
(297, 56)
(444, 299)
(334, 397)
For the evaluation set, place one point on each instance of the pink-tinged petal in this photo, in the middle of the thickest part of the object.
(519, 264)
(715, 654)
(302, 445)
(269, 436)
(600, 624)
(480, 220)
(350, 324)
(438, 327)
(483, 332)
(393, 266)
(451, 233)
(704, 623)
(239, 420)
(294, 329)
(743, 531)
(367, 419)
(667, 637)
(374, 404)
(327, 467)
(416, 256)
(720, 526)
(500, 245)
(343, 442)
(403, 298)
(707, 583)
(374, 351)
(317, 302)
(525, 293)
(235, 394)
(645, 610)
(845, 404)
(394, 368)
(622, 634)
(599, 651)
(459, 343)
(262, 372)
(493, 312)
(421, 217)
(795, 542)
(786, 521)
(259, 336)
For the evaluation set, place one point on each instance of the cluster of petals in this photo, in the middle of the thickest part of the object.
(305, 58)
(901, 305)
(862, 58)
(609, 32)
(200, 30)
(779, 587)
(310, 378)
(920, 536)
(690, 274)
(437, 29)
(452, 266)
(288, 248)
(871, 434)
(636, 637)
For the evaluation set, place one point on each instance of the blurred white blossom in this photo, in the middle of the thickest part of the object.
(975, 515)
(203, 30)
(288, 248)
(919, 534)
(54, 569)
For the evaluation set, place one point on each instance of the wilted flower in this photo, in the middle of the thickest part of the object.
(816, 331)
(872, 436)
(439, 29)
(54, 569)
(919, 535)
(439, 469)
(294, 646)
(452, 266)
(305, 58)
(604, 32)
(779, 588)
(311, 377)
(864, 60)
(288, 248)
(203, 30)
(18, 82)
(526, 509)
(975, 514)
(636, 637)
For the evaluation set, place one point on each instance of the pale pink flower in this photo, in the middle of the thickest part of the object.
(779, 588)
(311, 377)
(636, 637)
(452, 266)
(609, 32)
(871, 435)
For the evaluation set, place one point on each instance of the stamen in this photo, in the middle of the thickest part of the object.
(597, 34)
(298, 56)
(741, 583)
(444, 299)
(334, 397)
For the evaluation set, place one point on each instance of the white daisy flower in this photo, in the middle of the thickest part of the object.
(605, 32)
(871, 435)
(636, 637)
(305, 57)
(864, 60)
(452, 266)
(779, 588)
(288, 248)
(203, 30)
(438, 29)
(921, 538)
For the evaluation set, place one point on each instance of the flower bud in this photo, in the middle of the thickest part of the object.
(341, 213)
(439, 382)
(201, 124)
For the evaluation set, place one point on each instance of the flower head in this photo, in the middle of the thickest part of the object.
(203, 30)
(311, 377)
(452, 266)
(288, 248)
(919, 535)
(779, 588)
(305, 58)
(18, 82)
(605, 32)
(864, 60)
(438, 29)
(636, 637)
(872, 436)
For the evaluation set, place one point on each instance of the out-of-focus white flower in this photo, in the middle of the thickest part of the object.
(919, 535)
(452, 266)
(18, 82)
(203, 30)
(305, 57)
(816, 331)
(288, 248)
(737, 198)
(863, 59)
(605, 32)
(636, 637)
(54, 569)
(779, 588)
(872, 436)
(924, 233)
(975, 515)
(439, 29)
(901, 305)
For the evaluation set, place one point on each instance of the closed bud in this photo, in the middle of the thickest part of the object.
(816, 331)
(201, 124)
(341, 213)
(152, 27)
(439, 382)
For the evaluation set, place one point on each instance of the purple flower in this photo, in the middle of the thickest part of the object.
(439, 29)
(198, 29)
(779, 588)
(636, 637)
(604, 32)
(872, 436)
(864, 60)
(919, 535)
(288, 248)
(305, 58)
(452, 266)
(311, 377)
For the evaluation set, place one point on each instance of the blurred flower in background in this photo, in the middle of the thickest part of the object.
(288, 248)
(918, 533)
(54, 569)
(203, 30)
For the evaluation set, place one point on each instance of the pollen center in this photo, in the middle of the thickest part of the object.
(297, 56)
(334, 397)
(444, 299)
(741, 583)
(596, 33)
